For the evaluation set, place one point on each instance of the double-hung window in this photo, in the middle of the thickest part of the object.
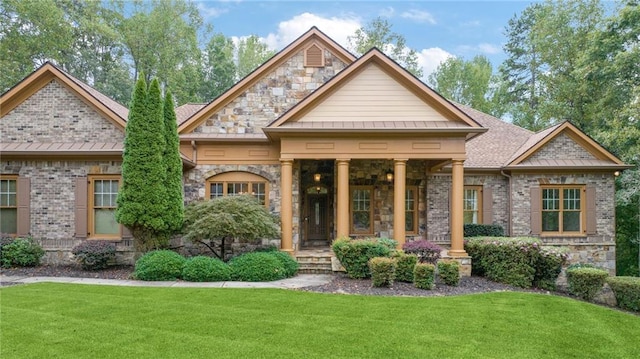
(362, 209)
(8, 205)
(563, 209)
(472, 204)
(103, 192)
(411, 210)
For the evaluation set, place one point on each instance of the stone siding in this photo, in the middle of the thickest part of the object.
(561, 147)
(55, 114)
(272, 96)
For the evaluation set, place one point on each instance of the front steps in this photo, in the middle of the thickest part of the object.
(314, 261)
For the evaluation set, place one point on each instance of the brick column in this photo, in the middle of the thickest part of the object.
(457, 210)
(399, 193)
(342, 212)
(286, 210)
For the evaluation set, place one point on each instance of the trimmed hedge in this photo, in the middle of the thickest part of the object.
(94, 255)
(424, 275)
(205, 269)
(585, 283)
(449, 273)
(21, 252)
(483, 230)
(383, 271)
(257, 267)
(404, 266)
(626, 291)
(290, 265)
(549, 267)
(354, 254)
(427, 252)
(159, 265)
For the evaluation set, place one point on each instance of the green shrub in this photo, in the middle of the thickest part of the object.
(404, 266)
(390, 243)
(257, 267)
(383, 271)
(427, 252)
(549, 266)
(585, 283)
(21, 252)
(354, 254)
(290, 265)
(159, 265)
(94, 255)
(205, 269)
(483, 230)
(626, 291)
(424, 275)
(449, 272)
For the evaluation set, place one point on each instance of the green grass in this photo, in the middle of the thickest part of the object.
(49, 320)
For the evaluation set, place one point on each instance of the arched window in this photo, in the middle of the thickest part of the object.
(235, 183)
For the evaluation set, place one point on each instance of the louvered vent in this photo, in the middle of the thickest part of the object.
(314, 57)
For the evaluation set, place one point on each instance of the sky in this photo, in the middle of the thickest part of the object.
(435, 29)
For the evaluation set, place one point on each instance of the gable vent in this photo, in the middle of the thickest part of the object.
(314, 56)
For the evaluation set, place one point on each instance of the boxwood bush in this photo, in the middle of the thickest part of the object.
(383, 271)
(548, 266)
(205, 269)
(483, 230)
(424, 275)
(257, 267)
(627, 292)
(159, 265)
(290, 265)
(21, 252)
(427, 252)
(449, 272)
(94, 255)
(404, 266)
(585, 283)
(354, 254)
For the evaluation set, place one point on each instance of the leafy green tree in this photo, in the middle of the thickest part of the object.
(219, 67)
(175, 204)
(377, 33)
(227, 218)
(142, 199)
(251, 54)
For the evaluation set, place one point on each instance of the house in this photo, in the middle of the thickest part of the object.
(334, 144)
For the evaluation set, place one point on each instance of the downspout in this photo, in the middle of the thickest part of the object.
(195, 151)
(510, 203)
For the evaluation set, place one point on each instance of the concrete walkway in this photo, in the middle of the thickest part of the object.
(299, 281)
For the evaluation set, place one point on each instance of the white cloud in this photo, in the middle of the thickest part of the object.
(430, 58)
(387, 12)
(482, 48)
(419, 16)
(489, 48)
(209, 12)
(337, 28)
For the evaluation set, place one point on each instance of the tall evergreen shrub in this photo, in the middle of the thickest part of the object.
(175, 205)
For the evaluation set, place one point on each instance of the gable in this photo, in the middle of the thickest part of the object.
(562, 147)
(56, 114)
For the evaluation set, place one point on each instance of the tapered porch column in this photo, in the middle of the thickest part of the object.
(457, 212)
(399, 193)
(342, 212)
(286, 210)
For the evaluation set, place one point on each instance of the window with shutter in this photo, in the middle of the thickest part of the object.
(562, 210)
(9, 205)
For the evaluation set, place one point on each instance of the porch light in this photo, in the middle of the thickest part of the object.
(616, 173)
(316, 177)
(389, 175)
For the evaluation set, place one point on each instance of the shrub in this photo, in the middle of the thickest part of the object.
(424, 275)
(626, 291)
(94, 255)
(449, 272)
(483, 230)
(390, 243)
(257, 267)
(585, 283)
(383, 271)
(549, 266)
(21, 252)
(205, 269)
(290, 265)
(355, 254)
(404, 266)
(427, 252)
(159, 265)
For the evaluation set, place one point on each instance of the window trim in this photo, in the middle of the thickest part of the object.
(583, 213)
(414, 210)
(91, 208)
(12, 178)
(237, 177)
(371, 205)
(479, 190)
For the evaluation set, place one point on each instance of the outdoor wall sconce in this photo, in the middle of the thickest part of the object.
(389, 175)
(316, 177)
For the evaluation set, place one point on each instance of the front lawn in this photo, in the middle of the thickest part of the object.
(48, 320)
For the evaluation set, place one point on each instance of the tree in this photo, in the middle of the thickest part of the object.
(142, 197)
(251, 54)
(241, 217)
(377, 33)
(467, 82)
(173, 166)
(219, 67)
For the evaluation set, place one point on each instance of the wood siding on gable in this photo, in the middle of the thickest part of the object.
(373, 95)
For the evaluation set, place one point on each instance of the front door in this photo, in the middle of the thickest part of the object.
(316, 220)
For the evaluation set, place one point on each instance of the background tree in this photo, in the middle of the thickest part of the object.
(251, 54)
(174, 213)
(377, 33)
(219, 67)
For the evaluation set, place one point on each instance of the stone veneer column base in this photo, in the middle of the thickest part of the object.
(463, 261)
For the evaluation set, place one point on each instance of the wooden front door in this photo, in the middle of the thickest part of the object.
(316, 219)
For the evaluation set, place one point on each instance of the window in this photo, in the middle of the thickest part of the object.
(472, 204)
(361, 210)
(411, 210)
(8, 205)
(562, 209)
(103, 192)
(235, 183)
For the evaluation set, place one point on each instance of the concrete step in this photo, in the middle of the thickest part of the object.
(314, 261)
